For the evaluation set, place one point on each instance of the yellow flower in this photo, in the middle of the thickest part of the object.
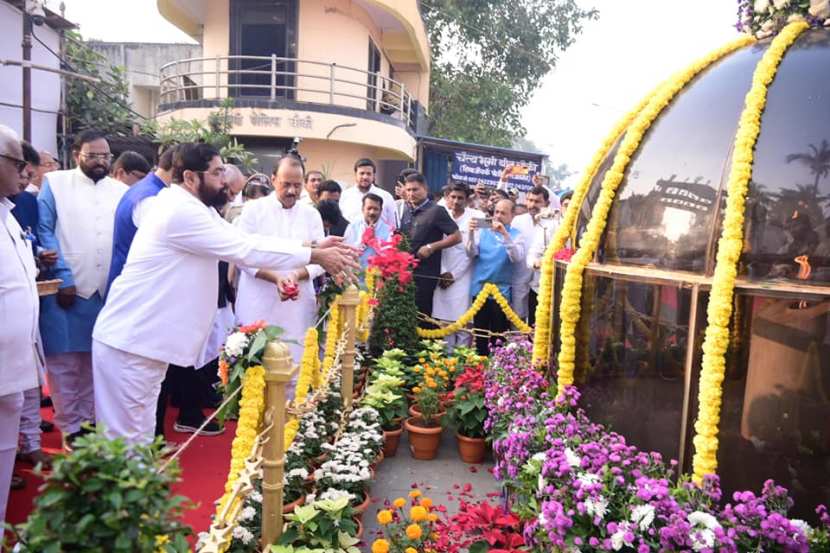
(426, 503)
(380, 546)
(399, 502)
(432, 517)
(418, 513)
(413, 532)
(410, 550)
(384, 517)
(415, 493)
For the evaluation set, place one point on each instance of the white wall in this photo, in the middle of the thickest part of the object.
(46, 87)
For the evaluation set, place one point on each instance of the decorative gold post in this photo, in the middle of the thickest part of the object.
(348, 303)
(278, 372)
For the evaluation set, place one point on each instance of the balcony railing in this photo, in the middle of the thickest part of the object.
(275, 78)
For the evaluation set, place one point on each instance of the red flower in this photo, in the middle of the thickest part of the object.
(253, 327)
(390, 260)
(564, 254)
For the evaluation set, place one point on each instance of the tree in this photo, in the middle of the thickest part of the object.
(817, 160)
(103, 105)
(488, 56)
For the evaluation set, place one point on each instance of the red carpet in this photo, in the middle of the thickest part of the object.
(204, 469)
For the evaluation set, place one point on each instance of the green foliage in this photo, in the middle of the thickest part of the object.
(468, 413)
(488, 57)
(107, 497)
(326, 524)
(103, 105)
(396, 316)
(215, 131)
(385, 395)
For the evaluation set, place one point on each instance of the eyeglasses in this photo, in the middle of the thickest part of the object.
(218, 172)
(19, 164)
(98, 157)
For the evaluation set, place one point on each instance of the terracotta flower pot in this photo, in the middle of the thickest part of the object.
(423, 440)
(359, 522)
(415, 412)
(289, 508)
(360, 509)
(471, 450)
(391, 439)
(378, 460)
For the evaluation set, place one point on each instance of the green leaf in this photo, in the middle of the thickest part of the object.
(257, 346)
(479, 547)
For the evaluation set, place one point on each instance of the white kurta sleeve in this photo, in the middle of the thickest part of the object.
(317, 233)
(203, 232)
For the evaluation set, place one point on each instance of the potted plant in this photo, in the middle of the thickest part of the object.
(385, 396)
(468, 413)
(402, 529)
(325, 524)
(424, 425)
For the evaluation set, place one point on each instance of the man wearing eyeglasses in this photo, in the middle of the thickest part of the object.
(76, 213)
(18, 311)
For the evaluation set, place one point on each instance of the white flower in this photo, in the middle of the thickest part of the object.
(596, 507)
(334, 494)
(539, 456)
(587, 478)
(618, 537)
(802, 526)
(780, 4)
(820, 9)
(795, 17)
(235, 344)
(247, 513)
(643, 516)
(572, 457)
(541, 482)
(761, 6)
(699, 518)
(242, 534)
(256, 496)
(703, 539)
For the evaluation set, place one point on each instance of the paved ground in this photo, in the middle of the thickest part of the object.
(444, 479)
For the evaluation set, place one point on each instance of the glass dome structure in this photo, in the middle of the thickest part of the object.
(645, 293)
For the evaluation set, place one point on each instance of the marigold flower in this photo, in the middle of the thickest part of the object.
(432, 517)
(384, 517)
(399, 502)
(413, 532)
(426, 503)
(418, 513)
(410, 550)
(415, 493)
(380, 546)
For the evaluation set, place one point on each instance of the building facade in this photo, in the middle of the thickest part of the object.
(349, 78)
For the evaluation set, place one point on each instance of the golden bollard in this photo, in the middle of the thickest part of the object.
(348, 304)
(279, 370)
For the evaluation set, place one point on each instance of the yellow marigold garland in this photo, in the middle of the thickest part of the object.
(364, 313)
(572, 290)
(567, 229)
(489, 289)
(332, 334)
(309, 373)
(730, 243)
(251, 408)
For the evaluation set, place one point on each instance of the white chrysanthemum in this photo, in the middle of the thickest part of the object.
(699, 518)
(703, 539)
(247, 513)
(242, 534)
(235, 344)
(572, 458)
(334, 494)
(618, 537)
(780, 4)
(587, 478)
(596, 507)
(643, 516)
(539, 456)
(803, 527)
(761, 6)
(256, 496)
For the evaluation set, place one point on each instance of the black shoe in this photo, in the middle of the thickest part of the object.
(211, 429)
(46, 401)
(69, 439)
(46, 426)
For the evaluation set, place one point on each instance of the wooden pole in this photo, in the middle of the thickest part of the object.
(278, 372)
(348, 304)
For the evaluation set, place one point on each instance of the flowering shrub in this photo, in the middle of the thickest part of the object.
(243, 349)
(577, 486)
(396, 315)
(406, 530)
(479, 527)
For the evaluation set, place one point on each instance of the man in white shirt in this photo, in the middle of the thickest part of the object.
(546, 224)
(311, 188)
(452, 296)
(18, 311)
(351, 201)
(76, 213)
(536, 199)
(160, 308)
(267, 295)
(355, 232)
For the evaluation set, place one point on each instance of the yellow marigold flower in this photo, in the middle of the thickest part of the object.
(410, 550)
(399, 502)
(380, 546)
(432, 517)
(384, 517)
(418, 513)
(413, 532)
(415, 493)
(421, 360)
(416, 389)
(426, 503)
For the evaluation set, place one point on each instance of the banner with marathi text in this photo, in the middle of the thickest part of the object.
(471, 167)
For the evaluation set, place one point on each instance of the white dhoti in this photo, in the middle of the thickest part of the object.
(10, 407)
(70, 385)
(223, 322)
(30, 421)
(127, 388)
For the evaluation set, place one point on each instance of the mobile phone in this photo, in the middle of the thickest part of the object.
(484, 222)
(520, 170)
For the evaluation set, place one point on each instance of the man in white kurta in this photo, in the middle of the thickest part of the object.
(260, 294)
(452, 296)
(160, 308)
(351, 200)
(18, 311)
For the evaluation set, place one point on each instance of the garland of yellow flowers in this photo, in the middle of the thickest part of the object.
(251, 408)
(730, 243)
(567, 229)
(489, 289)
(309, 367)
(572, 289)
(332, 334)
(364, 314)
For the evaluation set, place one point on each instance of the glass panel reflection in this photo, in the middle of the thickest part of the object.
(632, 376)
(775, 421)
(789, 201)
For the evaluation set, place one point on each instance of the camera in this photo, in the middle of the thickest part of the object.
(34, 8)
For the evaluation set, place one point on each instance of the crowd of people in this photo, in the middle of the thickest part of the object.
(157, 262)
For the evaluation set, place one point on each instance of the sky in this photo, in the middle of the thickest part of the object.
(615, 60)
